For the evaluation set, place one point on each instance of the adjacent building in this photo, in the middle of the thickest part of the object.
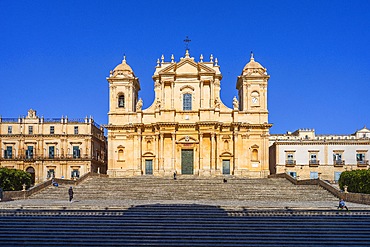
(52, 147)
(305, 155)
(188, 129)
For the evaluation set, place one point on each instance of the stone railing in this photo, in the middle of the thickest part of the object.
(347, 196)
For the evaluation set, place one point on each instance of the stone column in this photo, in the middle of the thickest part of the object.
(173, 150)
(156, 153)
(219, 142)
(213, 151)
(139, 155)
(161, 160)
(235, 147)
(201, 94)
(200, 152)
(173, 96)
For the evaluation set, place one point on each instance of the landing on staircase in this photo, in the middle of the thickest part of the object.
(119, 193)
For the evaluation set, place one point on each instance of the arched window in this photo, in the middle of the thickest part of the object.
(254, 154)
(121, 101)
(186, 103)
(255, 98)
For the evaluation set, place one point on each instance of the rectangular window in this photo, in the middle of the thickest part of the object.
(75, 173)
(76, 152)
(187, 102)
(338, 158)
(76, 130)
(10, 130)
(293, 174)
(30, 130)
(29, 152)
(336, 176)
(51, 173)
(51, 130)
(51, 152)
(290, 161)
(360, 157)
(8, 152)
(313, 157)
(314, 175)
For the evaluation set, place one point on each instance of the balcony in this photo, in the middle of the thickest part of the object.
(290, 163)
(362, 163)
(314, 163)
(339, 163)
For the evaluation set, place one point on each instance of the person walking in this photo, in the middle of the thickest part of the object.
(70, 193)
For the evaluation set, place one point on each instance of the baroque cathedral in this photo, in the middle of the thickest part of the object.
(188, 129)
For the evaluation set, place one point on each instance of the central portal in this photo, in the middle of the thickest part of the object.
(187, 161)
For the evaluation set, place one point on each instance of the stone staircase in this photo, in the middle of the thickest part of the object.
(189, 211)
(183, 225)
(188, 188)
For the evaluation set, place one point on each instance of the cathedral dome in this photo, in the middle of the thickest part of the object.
(253, 66)
(123, 68)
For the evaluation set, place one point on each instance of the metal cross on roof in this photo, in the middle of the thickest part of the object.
(187, 41)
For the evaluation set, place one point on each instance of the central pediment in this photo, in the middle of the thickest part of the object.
(186, 66)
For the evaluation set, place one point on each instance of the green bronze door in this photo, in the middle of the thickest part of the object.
(226, 167)
(148, 167)
(187, 161)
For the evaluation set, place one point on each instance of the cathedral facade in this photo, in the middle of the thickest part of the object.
(188, 129)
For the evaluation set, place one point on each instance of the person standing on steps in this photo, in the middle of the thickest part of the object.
(174, 175)
(70, 193)
(342, 205)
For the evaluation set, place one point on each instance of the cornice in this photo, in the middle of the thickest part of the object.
(12, 136)
(305, 142)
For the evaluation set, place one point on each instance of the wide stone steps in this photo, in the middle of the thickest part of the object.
(143, 188)
(184, 225)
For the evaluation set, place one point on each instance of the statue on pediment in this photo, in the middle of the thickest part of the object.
(31, 113)
(158, 104)
(139, 105)
(217, 103)
(235, 103)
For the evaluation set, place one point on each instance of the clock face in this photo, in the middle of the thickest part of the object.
(254, 100)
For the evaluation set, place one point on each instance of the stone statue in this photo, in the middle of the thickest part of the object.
(217, 103)
(139, 105)
(158, 104)
(31, 113)
(235, 103)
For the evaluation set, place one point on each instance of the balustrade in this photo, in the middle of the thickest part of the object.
(362, 163)
(339, 163)
(290, 163)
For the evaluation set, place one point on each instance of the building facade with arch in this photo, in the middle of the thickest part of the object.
(188, 129)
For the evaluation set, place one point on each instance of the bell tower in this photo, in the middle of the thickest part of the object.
(123, 89)
(252, 90)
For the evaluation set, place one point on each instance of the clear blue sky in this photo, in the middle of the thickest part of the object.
(55, 55)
